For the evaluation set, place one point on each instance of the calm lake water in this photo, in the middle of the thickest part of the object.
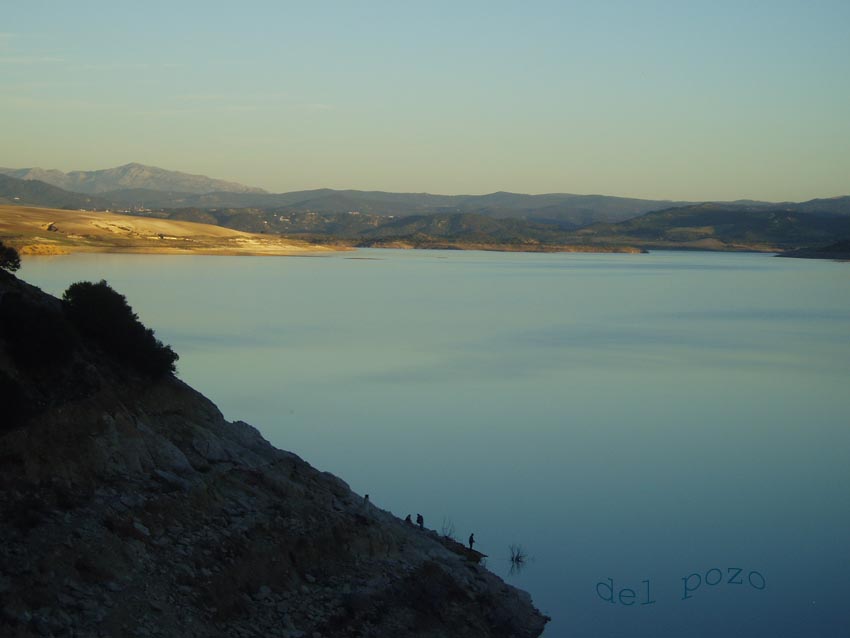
(677, 418)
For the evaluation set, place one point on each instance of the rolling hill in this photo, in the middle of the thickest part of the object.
(37, 193)
(702, 226)
(719, 227)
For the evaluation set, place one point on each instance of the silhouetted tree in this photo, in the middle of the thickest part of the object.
(9, 258)
(103, 315)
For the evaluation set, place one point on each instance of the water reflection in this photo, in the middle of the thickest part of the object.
(629, 417)
(518, 558)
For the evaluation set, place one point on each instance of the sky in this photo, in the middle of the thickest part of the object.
(680, 99)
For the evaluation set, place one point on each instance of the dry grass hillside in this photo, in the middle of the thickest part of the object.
(47, 231)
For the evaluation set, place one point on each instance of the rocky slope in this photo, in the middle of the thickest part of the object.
(130, 507)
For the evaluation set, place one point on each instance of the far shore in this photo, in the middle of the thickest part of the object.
(49, 232)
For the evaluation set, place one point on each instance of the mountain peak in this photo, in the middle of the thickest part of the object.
(128, 176)
(131, 166)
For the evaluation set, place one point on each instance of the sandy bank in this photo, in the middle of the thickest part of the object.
(47, 231)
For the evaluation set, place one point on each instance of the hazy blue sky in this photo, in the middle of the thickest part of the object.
(698, 100)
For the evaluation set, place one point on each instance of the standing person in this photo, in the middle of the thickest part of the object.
(420, 521)
(471, 540)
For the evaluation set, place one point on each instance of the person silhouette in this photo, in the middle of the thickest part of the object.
(471, 540)
(407, 520)
(420, 521)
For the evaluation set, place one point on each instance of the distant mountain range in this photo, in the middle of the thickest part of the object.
(129, 176)
(135, 186)
(376, 218)
(565, 209)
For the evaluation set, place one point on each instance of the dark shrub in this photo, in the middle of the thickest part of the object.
(103, 315)
(36, 335)
(9, 258)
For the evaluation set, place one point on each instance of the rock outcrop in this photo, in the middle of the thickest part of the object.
(130, 507)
